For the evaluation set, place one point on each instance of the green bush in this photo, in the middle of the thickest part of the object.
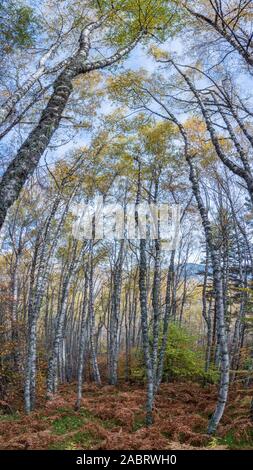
(184, 359)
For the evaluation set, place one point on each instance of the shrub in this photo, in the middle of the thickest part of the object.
(184, 359)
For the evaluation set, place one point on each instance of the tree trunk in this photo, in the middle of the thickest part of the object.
(28, 156)
(82, 342)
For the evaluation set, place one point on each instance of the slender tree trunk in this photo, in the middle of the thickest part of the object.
(52, 378)
(145, 336)
(115, 316)
(96, 373)
(166, 319)
(29, 384)
(221, 327)
(10, 103)
(243, 172)
(226, 32)
(217, 283)
(82, 342)
(206, 312)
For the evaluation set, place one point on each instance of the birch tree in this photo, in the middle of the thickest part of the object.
(79, 63)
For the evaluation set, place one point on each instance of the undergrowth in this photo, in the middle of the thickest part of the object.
(107, 420)
(184, 359)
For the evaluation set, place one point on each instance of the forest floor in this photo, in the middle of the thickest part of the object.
(113, 418)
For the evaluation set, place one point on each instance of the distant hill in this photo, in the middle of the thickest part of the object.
(195, 269)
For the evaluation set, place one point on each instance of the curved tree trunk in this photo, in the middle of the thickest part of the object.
(28, 156)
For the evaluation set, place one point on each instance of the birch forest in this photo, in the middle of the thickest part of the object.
(126, 242)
